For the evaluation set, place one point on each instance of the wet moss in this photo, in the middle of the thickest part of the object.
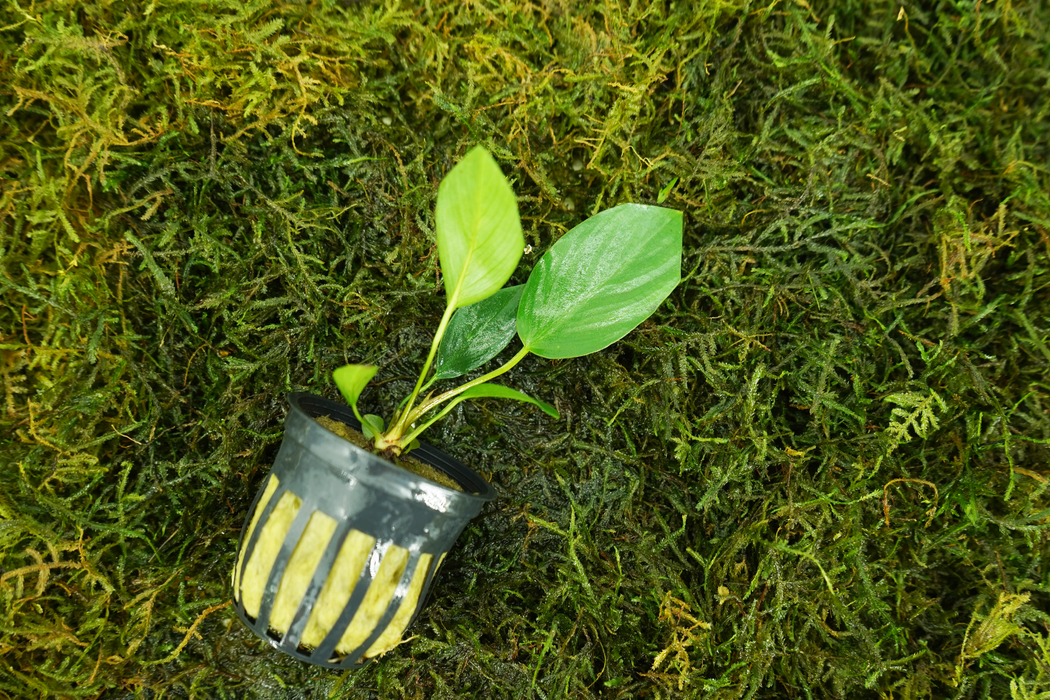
(819, 470)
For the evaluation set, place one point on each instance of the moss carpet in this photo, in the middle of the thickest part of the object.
(818, 471)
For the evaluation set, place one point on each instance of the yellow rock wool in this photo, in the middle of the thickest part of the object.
(353, 556)
(376, 599)
(271, 486)
(300, 570)
(266, 550)
(338, 587)
(392, 634)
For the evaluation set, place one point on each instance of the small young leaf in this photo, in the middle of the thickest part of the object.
(371, 425)
(351, 380)
(666, 191)
(478, 229)
(477, 333)
(600, 280)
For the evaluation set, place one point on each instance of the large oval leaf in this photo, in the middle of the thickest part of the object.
(478, 229)
(477, 333)
(601, 280)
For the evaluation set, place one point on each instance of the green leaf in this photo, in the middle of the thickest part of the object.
(484, 391)
(371, 425)
(495, 391)
(600, 280)
(666, 191)
(478, 229)
(351, 380)
(477, 333)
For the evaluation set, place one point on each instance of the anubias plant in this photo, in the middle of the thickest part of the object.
(595, 285)
(590, 289)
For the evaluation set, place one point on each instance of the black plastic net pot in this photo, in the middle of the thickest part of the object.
(340, 548)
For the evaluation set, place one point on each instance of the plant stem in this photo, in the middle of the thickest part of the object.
(441, 398)
(416, 433)
(398, 429)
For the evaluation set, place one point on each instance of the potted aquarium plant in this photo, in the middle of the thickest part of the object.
(345, 536)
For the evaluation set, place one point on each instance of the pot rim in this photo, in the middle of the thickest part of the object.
(477, 490)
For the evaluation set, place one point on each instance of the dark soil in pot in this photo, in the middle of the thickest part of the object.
(404, 461)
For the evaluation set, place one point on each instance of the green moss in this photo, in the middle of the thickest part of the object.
(829, 446)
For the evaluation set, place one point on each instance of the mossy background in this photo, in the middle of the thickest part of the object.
(818, 471)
